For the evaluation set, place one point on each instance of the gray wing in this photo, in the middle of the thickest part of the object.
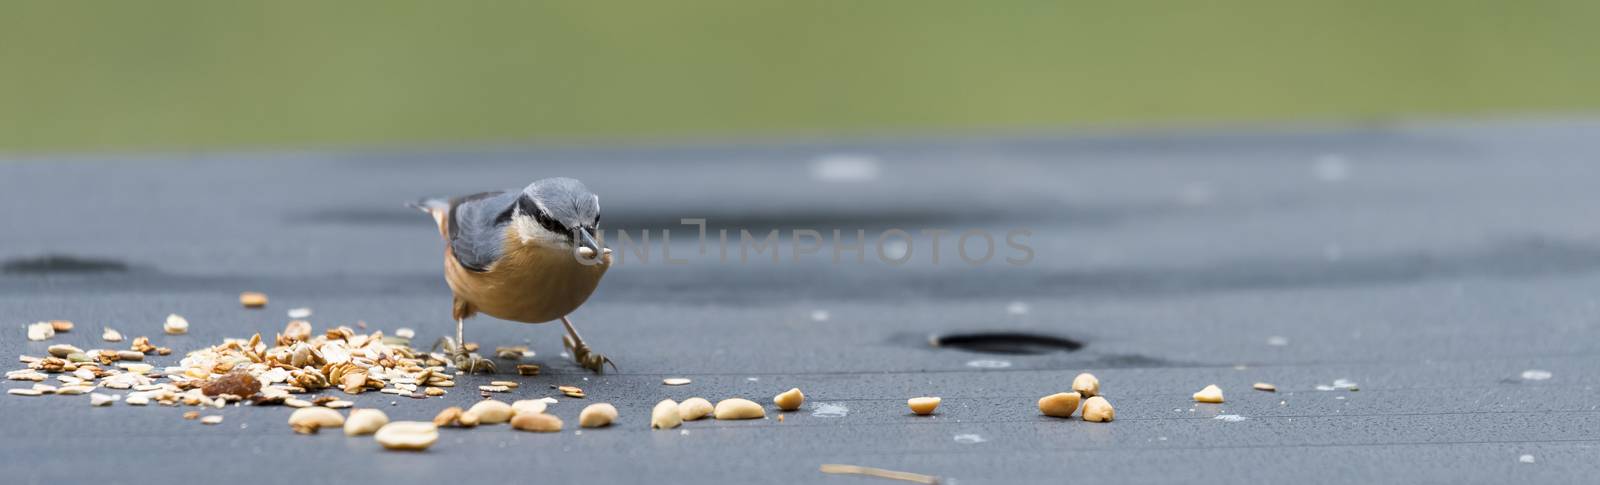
(477, 227)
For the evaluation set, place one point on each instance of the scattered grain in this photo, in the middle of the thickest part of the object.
(212, 419)
(1262, 386)
(23, 392)
(251, 299)
(407, 435)
(491, 411)
(1086, 384)
(98, 399)
(1211, 394)
(737, 408)
(528, 406)
(309, 419)
(790, 400)
(1060, 405)
(448, 417)
(175, 325)
(923, 406)
(537, 422)
(666, 415)
(41, 331)
(1097, 409)
(528, 369)
(571, 391)
(694, 408)
(364, 422)
(675, 381)
(597, 415)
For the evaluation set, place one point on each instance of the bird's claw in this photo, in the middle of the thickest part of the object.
(586, 358)
(466, 361)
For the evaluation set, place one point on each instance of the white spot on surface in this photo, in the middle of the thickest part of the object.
(752, 379)
(1017, 308)
(1536, 375)
(829, 410)
(1526, 459)
(845, 168)
(1230, 418)
(989, 364)
(1338, 384)
(1331, 168)
(299, 313)
(969, 439)
(819, 315)
(1277, 341)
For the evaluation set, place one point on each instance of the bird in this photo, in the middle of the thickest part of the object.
(526, 255)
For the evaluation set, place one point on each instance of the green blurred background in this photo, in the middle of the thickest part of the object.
(171, 76)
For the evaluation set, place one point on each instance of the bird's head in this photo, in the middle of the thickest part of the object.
(562, 212)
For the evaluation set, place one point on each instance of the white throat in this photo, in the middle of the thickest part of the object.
(529, 231)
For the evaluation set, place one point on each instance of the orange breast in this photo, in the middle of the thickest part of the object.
(529, 283)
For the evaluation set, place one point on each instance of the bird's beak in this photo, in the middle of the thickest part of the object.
(587, 247)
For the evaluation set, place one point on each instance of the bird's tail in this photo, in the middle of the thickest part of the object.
(429, 205)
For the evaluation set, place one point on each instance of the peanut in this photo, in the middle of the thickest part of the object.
(923, 406)
(251, 299)
(447, 417)
(407, 435)
(467, 419)
(308, 420)
(537, 422)
(490, 411)
(665, 415)
(1211, 394)
(528, 406)
(364, 422)
(1059, 405)
(597, 415)
(694, 408)
(790, 400)
(737, 408)
(1086, 384)
(1098, 409)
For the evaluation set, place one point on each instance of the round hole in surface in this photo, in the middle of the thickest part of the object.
(1005, 343)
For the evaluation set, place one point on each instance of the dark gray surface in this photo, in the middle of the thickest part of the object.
(1448, 259)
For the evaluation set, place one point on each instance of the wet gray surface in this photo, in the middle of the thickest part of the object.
(1430, 263)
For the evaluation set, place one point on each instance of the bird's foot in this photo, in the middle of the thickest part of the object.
(466, 361)
(585, 357)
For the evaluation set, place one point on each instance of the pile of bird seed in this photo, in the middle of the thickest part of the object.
(295, 361)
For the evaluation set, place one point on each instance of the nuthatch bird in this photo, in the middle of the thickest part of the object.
(522, 255)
